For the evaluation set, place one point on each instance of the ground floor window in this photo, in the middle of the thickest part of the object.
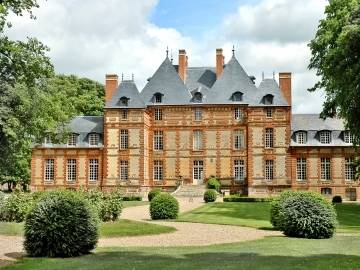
(301, 168)
(198, 169)
(93, 169)
(350, 194)
(326, 191)
(49, 169)
(269, 170)
(349, 169)
(325, 169)
(239, 170)
(71, 170)
(124, 170)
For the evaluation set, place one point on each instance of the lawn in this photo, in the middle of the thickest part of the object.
(266, 254)
(257, 215)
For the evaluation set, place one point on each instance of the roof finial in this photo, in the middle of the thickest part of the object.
(132, 76)
(171, 56)
(263, 75)
(167, 51)
(233, 50)
(122, 77)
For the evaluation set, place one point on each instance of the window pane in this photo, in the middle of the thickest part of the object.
(71, 170)
(269, 139)
(124, 139)
(197, 140)
(93, 169)
(269, 169)
(49, 170)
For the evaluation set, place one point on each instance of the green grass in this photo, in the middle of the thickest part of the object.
(134, 203)
(338, 253)
(257, 215)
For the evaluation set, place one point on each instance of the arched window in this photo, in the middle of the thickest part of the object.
(124, 101)
(325, 136)
(268, 99)
(237, 96)
(157, 98)
(197, 97)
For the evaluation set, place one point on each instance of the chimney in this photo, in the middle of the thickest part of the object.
(219, 63)
(285, 85)
(111, 83)
(183, 64)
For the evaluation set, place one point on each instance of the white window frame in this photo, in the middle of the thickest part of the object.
(269, 112)
(158, 140)
(301, 137)
(72, 140)
(239, 170)
(94, 139)
(124, 114)
(93, 169)
(349, 169)
(238, 114)
(71, 170)
(197, 140)
(238, 139)
(348, 137)
(198, 170)
(124, 170)
(269, 169)
(124, 139)
(49, 170)
(269, 137)
(325, 137)
(158, 170)
(301, 174)
(158, 115)
(325, 169)
(198, 114)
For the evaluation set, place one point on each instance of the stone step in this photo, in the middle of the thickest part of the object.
(190, 191)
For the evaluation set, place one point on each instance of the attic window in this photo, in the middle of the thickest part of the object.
(348, 137)
(237, 96)
(72, 140)
(93, 139)
(197, 97)
(325, 136)
(157, 98)
(124, 101)
(268, 99)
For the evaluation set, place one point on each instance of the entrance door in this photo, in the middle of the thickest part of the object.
(198, 172)
(351, 194)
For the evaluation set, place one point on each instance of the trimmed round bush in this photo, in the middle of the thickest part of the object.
(153, 193)
(61, 224)
(110, 207)
(164, 206)
(210, 195)
(303, 214)
(213, 183)
(337, 199)
(15, 207)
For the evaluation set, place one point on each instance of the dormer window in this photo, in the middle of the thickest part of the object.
(325, 137)
(93, 139)
(47, 139)
(301, 137)
(197, 97)
(268, 99)
(158, 98)
(348, 137)
(237, 96)
(72, 141)
(124, 101)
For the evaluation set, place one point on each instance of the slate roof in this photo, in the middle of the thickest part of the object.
(203, 77)
(167, 82)
(270, 86)
(129, 90)
(312, 124)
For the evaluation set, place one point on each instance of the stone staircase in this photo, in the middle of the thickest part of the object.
(190, 191)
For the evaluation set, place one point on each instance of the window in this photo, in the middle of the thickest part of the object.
(301, 137)
(158, 114)
(124, 170)
(269, 170)
(93, 139)
(239, 170)
(198, 114)
(124, 139)
(197, 97)
(349, 169)
(124, 101)
(198, 170)
(325, 169)
(301, 168)
(268, 99)
(269, 112)
(348, 137)
(158, 170)
(197, 140)
(326, 191)
(157, 98)
(49, 170)
(158, 140)
(238, 139)
(237, 96)
(72, 139)
(269, 138)
(238, 114)
(93, 169)
(124, 114)
(325, 136)
(47, 139)
(71, 170)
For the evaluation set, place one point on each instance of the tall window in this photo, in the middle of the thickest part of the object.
(93, 139)
(198, 114)
(348, 137)
(238, 114)
(93, 169)
(124, 170)
(72, 139)
(158, 114)
(158, 140)
(49, 170)
(124, 114)
(269, 112)
(301, 168)
(269, 170)
(239, 170)
(238, 139)
(198, 169)
(325, 169)
(124, 139)
(197, 140)
(301, 137)
(325, 136)
(349, 169)
(71, 170)
(158, 170)
(269, 137)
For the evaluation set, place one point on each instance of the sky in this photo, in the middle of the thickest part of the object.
(94, 37)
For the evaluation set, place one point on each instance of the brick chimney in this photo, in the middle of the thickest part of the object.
(183, 64)
(111, 83)
(219, 62)
(285, 85)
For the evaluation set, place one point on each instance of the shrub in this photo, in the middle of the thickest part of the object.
(110, 207)
(210, 195)
(15, 207)
(153, 193)
(337, 199)
(132, 198)
(61, 224)
(213, 183)
(164, 206)
(236, 198)
(303, 214)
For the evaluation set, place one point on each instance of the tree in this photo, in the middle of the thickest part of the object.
(336, 59)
